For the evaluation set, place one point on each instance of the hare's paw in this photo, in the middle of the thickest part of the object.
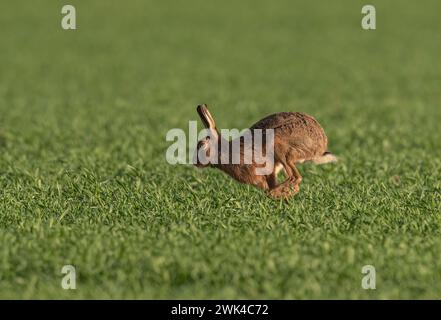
(274, 193)
(283, 191)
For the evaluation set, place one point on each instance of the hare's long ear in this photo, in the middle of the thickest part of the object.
(208, 121)
(206, 117)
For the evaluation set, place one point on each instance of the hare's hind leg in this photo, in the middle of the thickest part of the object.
(295, 173)
(290, 186)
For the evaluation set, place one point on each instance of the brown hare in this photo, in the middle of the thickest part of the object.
(297, 138)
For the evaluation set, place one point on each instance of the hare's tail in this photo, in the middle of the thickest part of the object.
(327, 157)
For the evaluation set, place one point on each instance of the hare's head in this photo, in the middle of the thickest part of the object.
(206, 150)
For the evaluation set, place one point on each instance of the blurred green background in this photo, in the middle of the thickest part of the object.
(83, 176)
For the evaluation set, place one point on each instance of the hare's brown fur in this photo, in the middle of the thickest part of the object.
(298, 137)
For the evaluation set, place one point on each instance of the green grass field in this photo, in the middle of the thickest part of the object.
(83, 176)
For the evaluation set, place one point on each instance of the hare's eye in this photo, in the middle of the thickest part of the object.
(202, 144)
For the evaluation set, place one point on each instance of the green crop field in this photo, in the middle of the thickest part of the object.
(84, 179)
